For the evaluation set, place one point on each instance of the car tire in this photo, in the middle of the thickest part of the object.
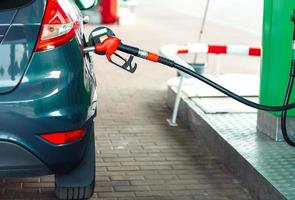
(79, 183)
(75, 193)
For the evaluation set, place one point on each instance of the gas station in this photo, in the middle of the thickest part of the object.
(205, 113)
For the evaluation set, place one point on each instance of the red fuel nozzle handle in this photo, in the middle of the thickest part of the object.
(108, 47)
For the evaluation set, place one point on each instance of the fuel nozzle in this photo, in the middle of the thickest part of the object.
(98, 35)
(103, 41)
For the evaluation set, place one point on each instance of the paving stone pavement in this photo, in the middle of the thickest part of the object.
(139, 157)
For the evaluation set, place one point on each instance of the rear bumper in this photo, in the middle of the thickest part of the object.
(30, 155)
(57, 93)
(17, 161)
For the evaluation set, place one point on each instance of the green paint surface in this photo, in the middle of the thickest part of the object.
(277, 52)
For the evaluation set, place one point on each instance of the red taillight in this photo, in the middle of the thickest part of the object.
(59, 25)
(64, 137)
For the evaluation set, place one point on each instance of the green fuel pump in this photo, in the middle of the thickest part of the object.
(276, 44)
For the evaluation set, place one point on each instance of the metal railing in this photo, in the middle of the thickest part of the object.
(172, 51)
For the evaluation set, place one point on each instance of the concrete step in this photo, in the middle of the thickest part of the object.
(265, 167)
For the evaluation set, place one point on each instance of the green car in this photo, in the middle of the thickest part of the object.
(47, 95)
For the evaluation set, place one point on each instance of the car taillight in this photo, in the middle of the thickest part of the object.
(59, 25)
(64, 137)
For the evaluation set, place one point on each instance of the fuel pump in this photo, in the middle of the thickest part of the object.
(103, 41)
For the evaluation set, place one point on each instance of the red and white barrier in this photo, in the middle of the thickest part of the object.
(200, 48)
(172, 51)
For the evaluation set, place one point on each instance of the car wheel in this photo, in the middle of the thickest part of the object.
(75, 193)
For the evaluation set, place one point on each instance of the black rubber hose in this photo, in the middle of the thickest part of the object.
(134, 51)
(226, 91)
(288, 94)
(284, 113)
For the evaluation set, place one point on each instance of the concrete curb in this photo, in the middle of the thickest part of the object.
(250, 178)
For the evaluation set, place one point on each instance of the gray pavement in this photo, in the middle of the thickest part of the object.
(138, 155)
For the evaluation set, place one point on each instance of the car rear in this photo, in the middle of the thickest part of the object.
(47, 89)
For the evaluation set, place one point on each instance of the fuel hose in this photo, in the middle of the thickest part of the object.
(286, 106)
(289, 91)
(165, 61)
(105, 43)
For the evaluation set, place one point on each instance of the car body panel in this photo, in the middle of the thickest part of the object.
(57, 93)
(19, 33)
(17, 161)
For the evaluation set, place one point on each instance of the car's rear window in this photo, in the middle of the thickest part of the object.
(11, 4)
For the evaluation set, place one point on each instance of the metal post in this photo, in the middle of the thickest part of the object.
(202, 27)
(172, 122)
